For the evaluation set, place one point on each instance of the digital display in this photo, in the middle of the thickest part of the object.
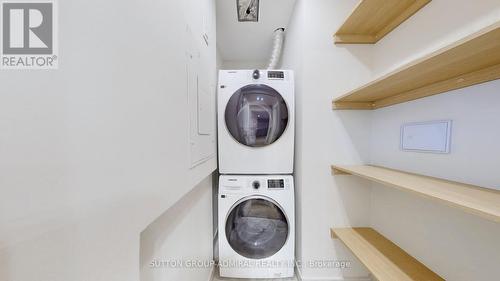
(275, 183)
(276, 74)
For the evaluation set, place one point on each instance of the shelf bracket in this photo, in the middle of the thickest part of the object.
(332, 234)
(336, 172)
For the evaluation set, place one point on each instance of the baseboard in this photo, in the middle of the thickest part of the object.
(301, 277)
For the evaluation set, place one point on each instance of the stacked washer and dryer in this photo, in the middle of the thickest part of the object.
(256, 206)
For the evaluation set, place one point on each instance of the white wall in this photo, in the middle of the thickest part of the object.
(93, 152)
(434, 26)
(291, 59)
(325, 137)
(457, 245)
(180, 236)
(228, 64)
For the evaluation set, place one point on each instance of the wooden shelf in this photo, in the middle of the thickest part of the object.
(384, 259)
(474, 199)
(371, 20)
(472, 60)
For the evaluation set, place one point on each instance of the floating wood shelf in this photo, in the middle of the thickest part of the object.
(472, 60)
(384, 259)
(373, 19)
(474, 199)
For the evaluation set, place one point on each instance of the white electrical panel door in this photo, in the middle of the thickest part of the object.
(432, 137)
(201, 103)
(206, 111)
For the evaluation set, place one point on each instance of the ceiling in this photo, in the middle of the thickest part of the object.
(250, 41)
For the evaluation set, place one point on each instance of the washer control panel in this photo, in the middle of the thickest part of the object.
(276, 183)
(238, 184)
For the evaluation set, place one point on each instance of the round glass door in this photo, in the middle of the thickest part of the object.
(256, 228)
(256, 115)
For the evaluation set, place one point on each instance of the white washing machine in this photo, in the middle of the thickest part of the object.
(256, 121)
(256, 226)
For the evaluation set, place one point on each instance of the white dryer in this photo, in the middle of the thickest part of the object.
(256, 121)
(256, 229)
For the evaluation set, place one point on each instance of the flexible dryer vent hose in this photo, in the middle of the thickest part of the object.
(278, 38)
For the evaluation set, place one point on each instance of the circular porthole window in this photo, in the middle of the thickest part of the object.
(256, 228)
(256, 115)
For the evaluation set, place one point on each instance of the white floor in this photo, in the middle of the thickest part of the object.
(218, 278)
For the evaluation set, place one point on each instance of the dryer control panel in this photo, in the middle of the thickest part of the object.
(276, 75)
